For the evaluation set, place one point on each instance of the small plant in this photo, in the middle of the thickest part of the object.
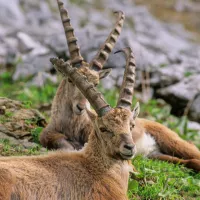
(8, 114)
(36, 133)
(187, 74)
(27, 104)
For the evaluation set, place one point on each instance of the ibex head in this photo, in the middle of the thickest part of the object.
(114, 130)
(79, 102)
(112, 125)
(92, 70)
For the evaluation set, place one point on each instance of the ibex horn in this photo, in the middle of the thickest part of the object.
(88, 90)
(103, 53)
(127, 88)
(74, 51)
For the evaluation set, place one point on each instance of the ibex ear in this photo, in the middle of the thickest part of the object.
(92, 115)
(104, 72)
(136, 110)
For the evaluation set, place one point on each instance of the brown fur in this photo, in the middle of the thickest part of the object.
(169, 142)
(172, 148)
(97, 172)
(6, 182)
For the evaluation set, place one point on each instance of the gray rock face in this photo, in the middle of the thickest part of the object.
(182, 94)
(195, 109)
(185, 90)
(11, 14)
(32, 32)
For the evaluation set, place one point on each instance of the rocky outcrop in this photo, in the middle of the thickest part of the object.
(17, 122)
(184, 95)
(34, 33)
(195, 108)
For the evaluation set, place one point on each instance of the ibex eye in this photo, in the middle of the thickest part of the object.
(102, 129)
(69, 80)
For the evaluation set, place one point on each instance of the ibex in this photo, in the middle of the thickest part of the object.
(100, 170)
(70, 125)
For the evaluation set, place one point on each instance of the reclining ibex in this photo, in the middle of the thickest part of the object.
(69, 128)
(99, 171)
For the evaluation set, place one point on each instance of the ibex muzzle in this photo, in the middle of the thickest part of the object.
(127, 147)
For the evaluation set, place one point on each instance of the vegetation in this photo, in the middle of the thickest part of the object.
(154, 179)
(8, 149)
(162, 180)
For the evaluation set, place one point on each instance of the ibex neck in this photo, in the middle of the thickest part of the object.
(94, 151)
(102, 166)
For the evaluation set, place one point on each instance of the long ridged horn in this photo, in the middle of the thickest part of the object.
(101, 57)
(88, 90)
(74, 51)
(127, 88)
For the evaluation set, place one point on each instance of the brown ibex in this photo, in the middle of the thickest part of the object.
(70, 125)
(99, 171)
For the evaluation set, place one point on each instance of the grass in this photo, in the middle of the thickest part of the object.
(154, 179)
(8, 149)
(31, 96)
(161, 180)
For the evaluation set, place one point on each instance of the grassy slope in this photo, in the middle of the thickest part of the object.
(155, 179)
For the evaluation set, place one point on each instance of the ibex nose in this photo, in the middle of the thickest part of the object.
(79, 108)
(127, 150)
(129, 146)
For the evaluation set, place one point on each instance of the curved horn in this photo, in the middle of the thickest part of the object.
(75, 55)
(127, 88)
(88, 90)
(101, 57)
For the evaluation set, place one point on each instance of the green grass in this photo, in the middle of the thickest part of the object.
(161, 180)
(8, 149)
(155, 179)
(18, 90)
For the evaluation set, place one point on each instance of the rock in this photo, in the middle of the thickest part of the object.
(40, 79)
(194, 126)
(26, 43)
(168, 75)
(194, 111)
(11, 14)
(58, 44)
(3, 53)
(33, 64)
(17, 121)
(16, 125)
(187, 5)
(179, 94)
